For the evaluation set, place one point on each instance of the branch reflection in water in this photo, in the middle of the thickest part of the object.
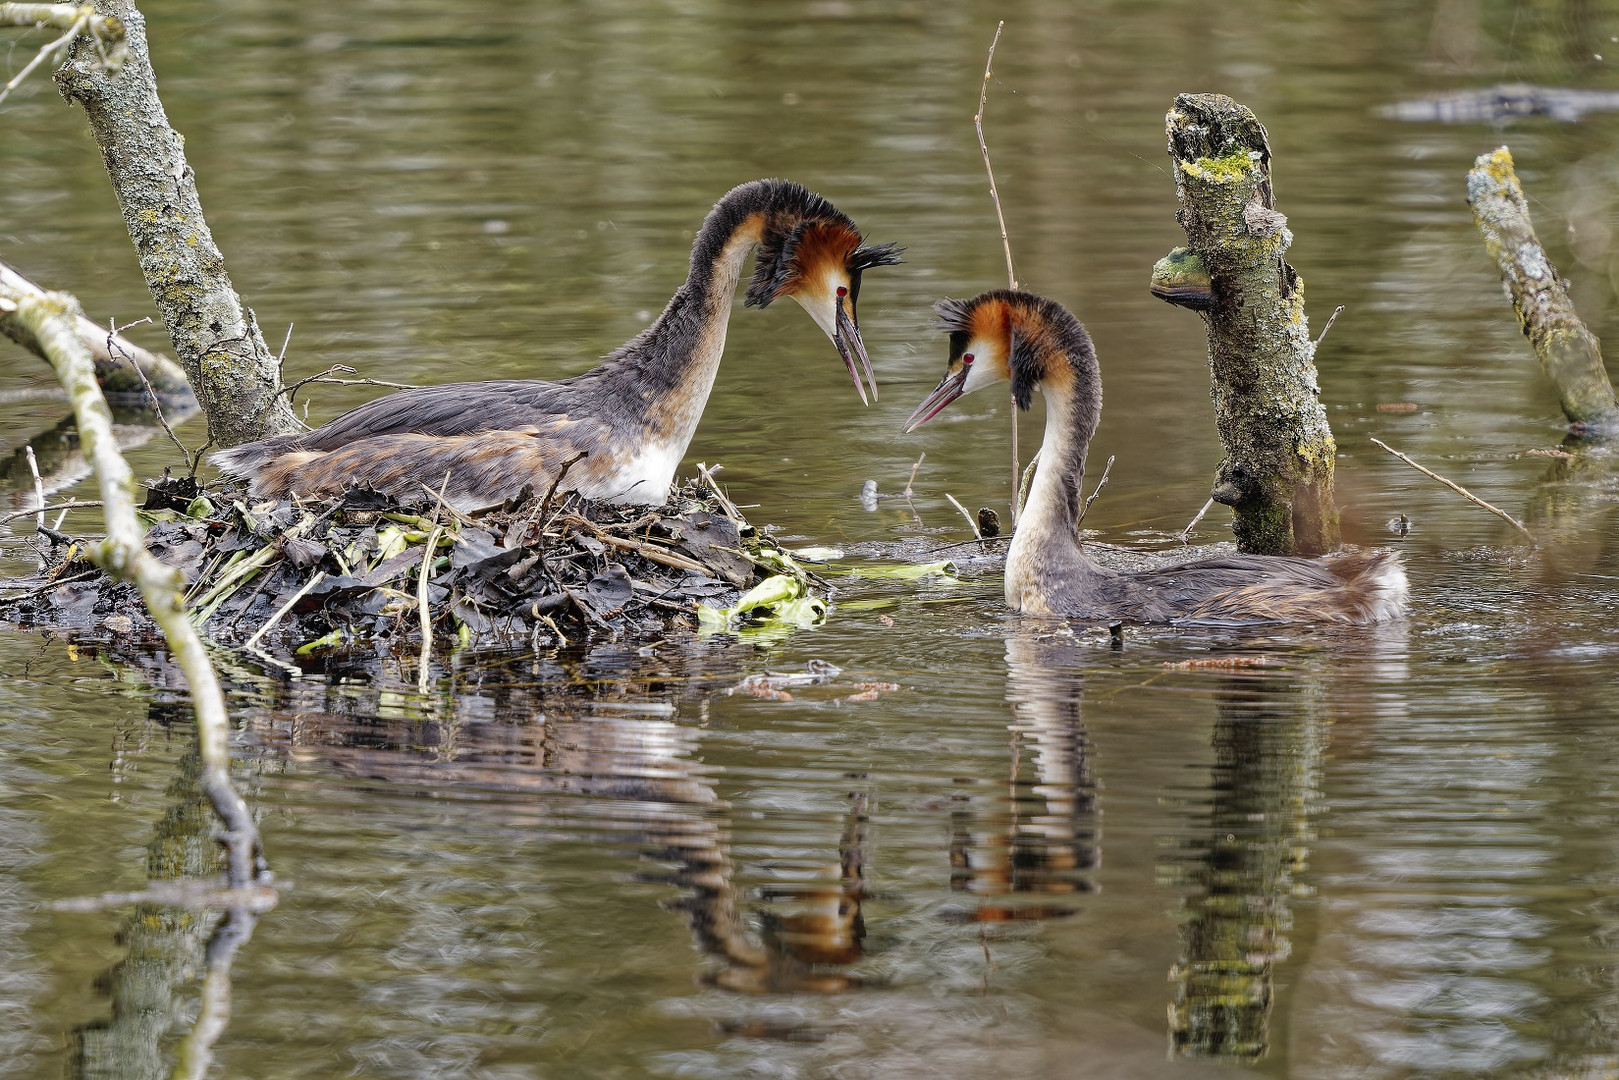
(168, 944)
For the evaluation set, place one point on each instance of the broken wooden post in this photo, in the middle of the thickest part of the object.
(1277, 471)
(1568, 352)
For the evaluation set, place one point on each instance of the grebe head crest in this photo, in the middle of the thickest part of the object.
(811, 251)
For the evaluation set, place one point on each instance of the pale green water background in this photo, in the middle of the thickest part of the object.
(1401, 848)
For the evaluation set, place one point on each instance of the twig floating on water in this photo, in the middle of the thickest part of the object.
(1458, 489)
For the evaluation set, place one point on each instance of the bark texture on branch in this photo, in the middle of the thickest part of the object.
(1278, 466)
(120, 363)
(232, 371)
(1568, 352)
(52, 319)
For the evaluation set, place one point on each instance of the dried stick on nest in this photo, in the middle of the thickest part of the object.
(1568, 352)
(52, 319)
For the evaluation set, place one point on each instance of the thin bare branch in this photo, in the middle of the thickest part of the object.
(322, 377)
(1330, 320)
(1006, 243)
(1458, 489)
(972, 522)
(1186, 533)
(73, 19)
(72, 504)
(914, 470)
(978, 125)
(1100, 484)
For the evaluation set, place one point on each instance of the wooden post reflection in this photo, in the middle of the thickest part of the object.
(1268, 745)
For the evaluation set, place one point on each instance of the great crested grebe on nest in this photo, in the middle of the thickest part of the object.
(1037, 343)
(631, 417)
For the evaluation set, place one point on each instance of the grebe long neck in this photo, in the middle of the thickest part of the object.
(1045, 546)
(663, 375)
(1054, 496)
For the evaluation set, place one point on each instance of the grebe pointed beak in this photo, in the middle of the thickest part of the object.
(952, 386)
(846, 336)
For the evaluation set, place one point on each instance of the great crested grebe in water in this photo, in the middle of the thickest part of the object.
(631, 416)
(1037, 343)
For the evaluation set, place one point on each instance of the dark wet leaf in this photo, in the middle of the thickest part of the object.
(474, 546)
(301, 552)
(471, 615)
(362, 499)
(184, 555)
(171, 493)
(391, 570)
(612, 587)
(713, 539)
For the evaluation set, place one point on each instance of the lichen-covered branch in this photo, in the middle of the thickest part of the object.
(1568, 352)
(216, 339)
(120, 363)
(1278, 466)
(51, 318)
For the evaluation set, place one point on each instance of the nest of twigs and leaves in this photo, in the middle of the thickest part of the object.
(302, 578)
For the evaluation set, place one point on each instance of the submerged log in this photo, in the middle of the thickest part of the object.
(1278, 466)
(234, 374)
(1568, 352)
(122, 367)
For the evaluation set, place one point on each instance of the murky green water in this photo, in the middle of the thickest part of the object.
(978, 849)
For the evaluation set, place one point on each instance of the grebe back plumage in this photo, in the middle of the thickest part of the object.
(632, 416)
(1037, 343)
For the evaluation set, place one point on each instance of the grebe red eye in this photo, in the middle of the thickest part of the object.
(842, 291)
(967, 360)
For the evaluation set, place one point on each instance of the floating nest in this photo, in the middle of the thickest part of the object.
(308, 578)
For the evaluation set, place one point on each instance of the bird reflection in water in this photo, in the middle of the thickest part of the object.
(627, 773)
(1048, 844)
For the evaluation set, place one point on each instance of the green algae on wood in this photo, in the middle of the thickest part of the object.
(1568, 352)
(1277, 473)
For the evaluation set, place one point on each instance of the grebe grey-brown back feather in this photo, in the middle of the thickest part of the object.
(632, 416)
(1034, 342)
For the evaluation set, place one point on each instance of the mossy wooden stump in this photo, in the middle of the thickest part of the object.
(1278, 466)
